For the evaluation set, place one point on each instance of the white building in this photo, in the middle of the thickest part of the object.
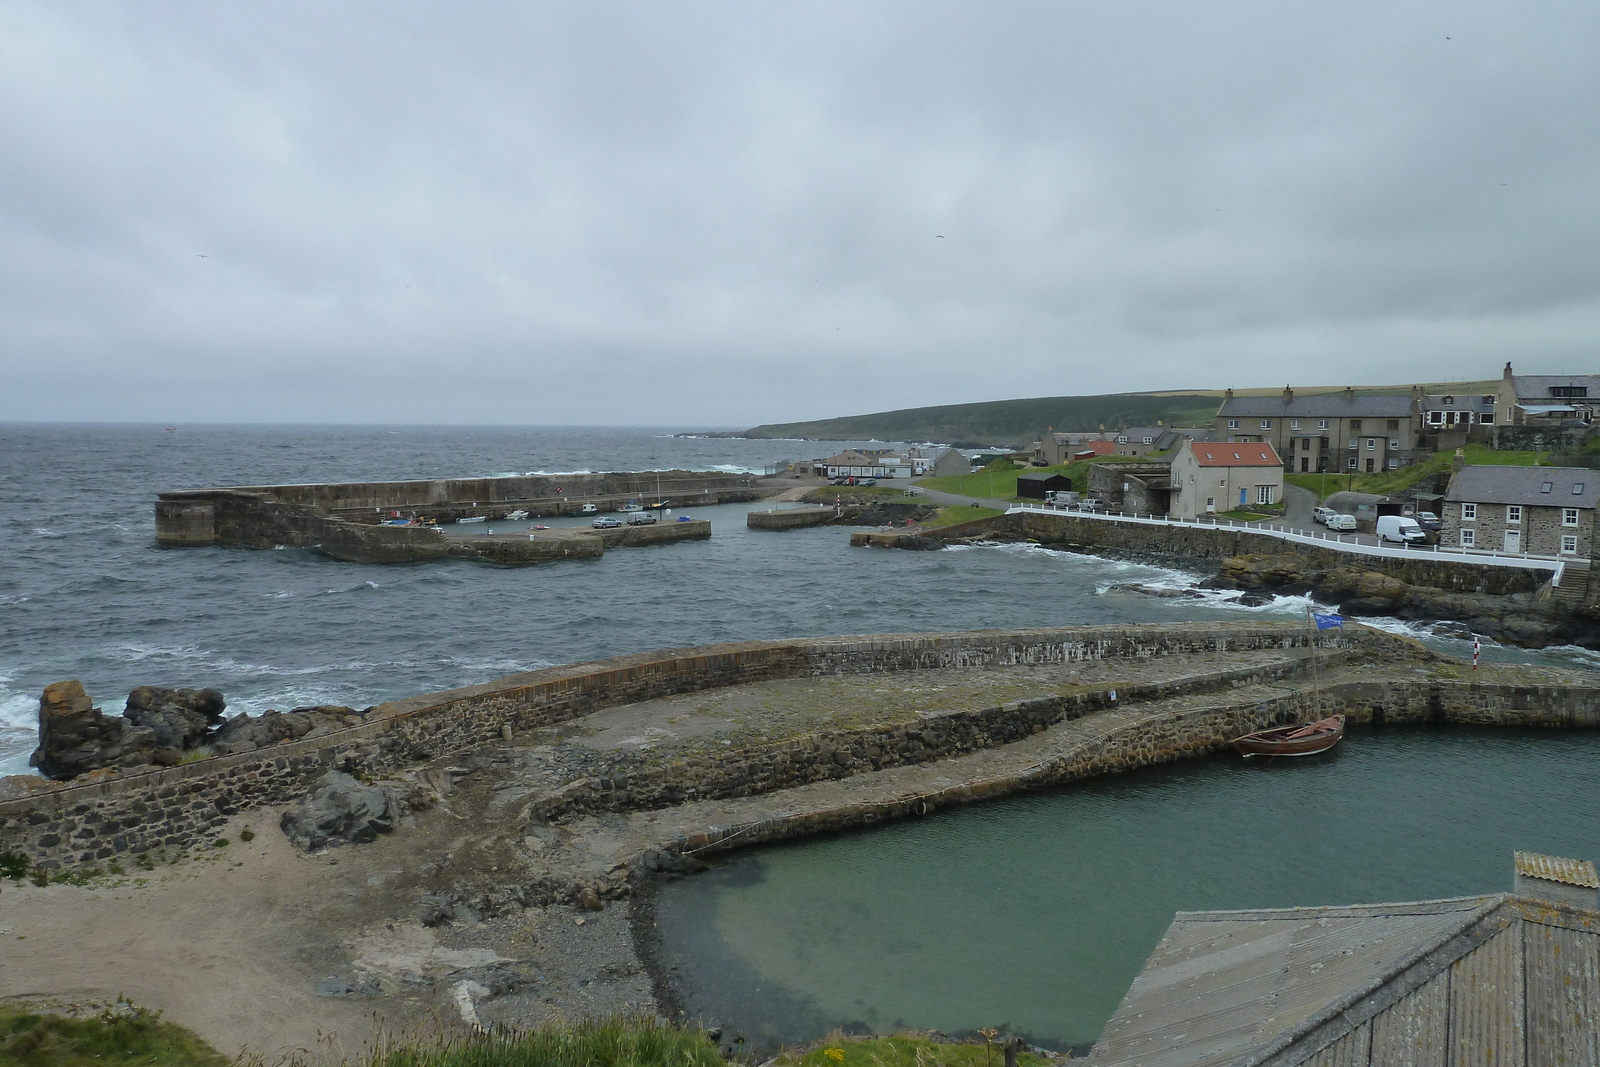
(1208, 477)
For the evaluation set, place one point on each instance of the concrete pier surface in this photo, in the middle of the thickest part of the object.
(539, 804)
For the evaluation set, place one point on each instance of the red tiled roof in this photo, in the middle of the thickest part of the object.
(1237, 454)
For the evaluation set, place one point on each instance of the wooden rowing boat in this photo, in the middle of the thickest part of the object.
(1303, 739)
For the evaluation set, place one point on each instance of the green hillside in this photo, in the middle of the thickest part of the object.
(1008, 422)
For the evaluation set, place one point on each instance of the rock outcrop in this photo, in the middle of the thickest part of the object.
(179, 717)
(244, 734)
(339, 811)
(75, 736)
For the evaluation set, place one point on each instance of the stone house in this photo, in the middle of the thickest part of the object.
(1447, 420)
(950, 462)
(1548, 511)
(1327, 432)
(1547, 398)
(1142, 487)
(1208, 477)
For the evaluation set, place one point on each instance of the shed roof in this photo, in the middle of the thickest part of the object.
(1234, 454)
(1363, 985)
(1317, 406)
(1570, 487)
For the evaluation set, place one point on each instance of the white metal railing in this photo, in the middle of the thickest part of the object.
(1339, 542)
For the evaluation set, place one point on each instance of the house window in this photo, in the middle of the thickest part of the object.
(1294, 424)
(1435, 418)
(1355, 425)
(1469, 512)
(1487, 418)
(1394, 463)
(1372, 444)
(1569, 544)
(1263, 494)
(1577, 489)
(1352, 463)
(1394, 424)
(1322, 424)
(1233, 424)
(1569, 391)
(1450, 400)
(1394, 442)
(1513, 513)
(1149, 440)
(1546, 487)
(1469, 537)
(1569, 516)
(1122, 440)
(1354, 443)
(1266, 424)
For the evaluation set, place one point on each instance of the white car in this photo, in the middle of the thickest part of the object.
(1322, 515)
(1340, 522)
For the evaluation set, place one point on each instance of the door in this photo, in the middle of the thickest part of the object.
(1244, 497)
(1370, 465)
(1211, 503)
(1513, 541)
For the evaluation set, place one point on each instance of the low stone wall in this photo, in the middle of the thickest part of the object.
(1166, 738)
(789, 518)
(177, 807)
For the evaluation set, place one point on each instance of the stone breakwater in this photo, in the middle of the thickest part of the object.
(81, 824)
(1117, 722)
(1514, 605)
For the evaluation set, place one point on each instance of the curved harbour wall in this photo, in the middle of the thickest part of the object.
(179, 807)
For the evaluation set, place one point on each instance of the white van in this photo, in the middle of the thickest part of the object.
(1337, 521)
(1401, 529)
(1061, 496)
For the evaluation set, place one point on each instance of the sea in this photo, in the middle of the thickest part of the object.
(87, 594)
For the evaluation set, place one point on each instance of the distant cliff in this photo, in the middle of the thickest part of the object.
(1009, 422)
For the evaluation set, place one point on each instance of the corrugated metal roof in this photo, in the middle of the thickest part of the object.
(1557, 869)
(1502, 980)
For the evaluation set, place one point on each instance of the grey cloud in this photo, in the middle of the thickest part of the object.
(724, 213)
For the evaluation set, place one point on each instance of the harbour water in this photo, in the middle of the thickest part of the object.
(1035, 910)
(1038, 911)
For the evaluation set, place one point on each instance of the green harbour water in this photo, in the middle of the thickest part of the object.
(1039, 910)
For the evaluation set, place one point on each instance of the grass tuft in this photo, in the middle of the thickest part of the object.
(121, 1034)
(611, 1042)
(902, 1050)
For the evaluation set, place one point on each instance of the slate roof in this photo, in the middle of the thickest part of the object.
(1242, 454)
(1478, 403)
(1317, 406)
(1501, 979)
(1524, 485)
(1535, 388)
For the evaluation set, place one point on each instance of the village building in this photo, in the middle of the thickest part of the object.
(1139, 487)
(1209, 477)
(1507, 979)
(1053, 449)
(1446, 421)
(1327, 432)
(855, 463)
(1547, 511)
(1524, 399)
(1035, 484)
(949, 463)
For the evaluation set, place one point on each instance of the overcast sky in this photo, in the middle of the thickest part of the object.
(731, 213)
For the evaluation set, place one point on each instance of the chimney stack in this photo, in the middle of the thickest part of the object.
(1554, 878)
(1459, 460)
(1228, 395)
(1288, 394)
(1349, 392)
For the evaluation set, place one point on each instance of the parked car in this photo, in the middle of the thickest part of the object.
(1400, 529)
(1428, 521)
(1322, 515)
(1337, 521)
(606, 522)
(867, 481)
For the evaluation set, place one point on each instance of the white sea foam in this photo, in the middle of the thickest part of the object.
(553, 474)
(42, 532)
(19, 728)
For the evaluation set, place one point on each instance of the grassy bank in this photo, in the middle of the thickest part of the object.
(902, 1050)
(120, 1034)
(1382, 483)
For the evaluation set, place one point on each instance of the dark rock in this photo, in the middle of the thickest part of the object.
(334, 986)
(340, 810)
(244, 734)
(75, 736)
(1254, 600)
(179, 717)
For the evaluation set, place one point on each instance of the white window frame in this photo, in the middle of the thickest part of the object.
(1469, 513)
(1394, 443)
(1487, 418)
(1513, 514)
(1322, 424)
(1569, 516)
(1569, 544)
(1294, 424)
(1354, 443)
(1266, 424)
(1469, 537)
(1394, 463)
(1263, 494)
(1351, 463)
(1233, 424)
(1435, 418)
(1372, 444)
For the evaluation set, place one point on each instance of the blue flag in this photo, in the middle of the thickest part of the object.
(1327, 622)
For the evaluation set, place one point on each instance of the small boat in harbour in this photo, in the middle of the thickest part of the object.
(516, 516)
(1301, 739)
(631, 506)
(588, 509)
(472, 518)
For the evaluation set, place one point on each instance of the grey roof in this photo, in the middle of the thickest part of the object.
(1490, 484)
(1536, 387)
(1043, 476)
(1501, 979)
(1317, 406)
(1474, 402)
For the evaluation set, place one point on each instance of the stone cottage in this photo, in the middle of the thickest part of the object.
(1548, 511)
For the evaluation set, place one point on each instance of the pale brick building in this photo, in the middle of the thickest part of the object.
(1548, 511)
(1209, 477)
(1335, 433)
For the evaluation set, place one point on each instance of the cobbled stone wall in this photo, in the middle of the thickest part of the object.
(183, 807)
